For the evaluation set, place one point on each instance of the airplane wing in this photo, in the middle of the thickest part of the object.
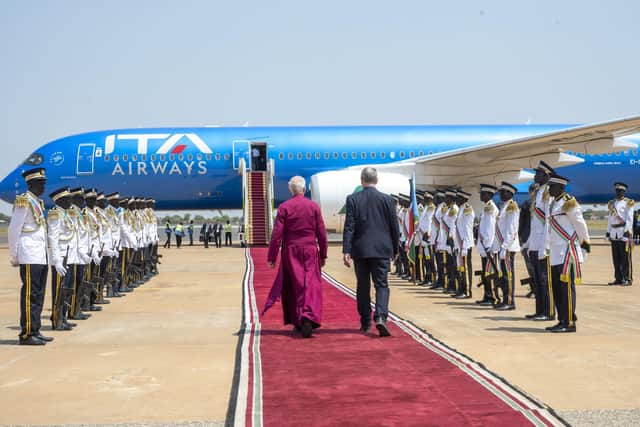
(508, 160)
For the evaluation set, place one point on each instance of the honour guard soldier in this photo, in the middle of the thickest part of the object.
(426, 229)
(568, 236)
(95, 248)
(435, 237)
(507, 244)
(106, 243)
(78, 269)
(126, 243)
(464, 243)
(538, 245)
(63, 250)
(486, 238)
(28, 249)
(114, 224)
(620, 233)
(445, 240)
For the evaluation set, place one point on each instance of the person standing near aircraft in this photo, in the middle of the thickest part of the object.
(538, 245)
(28, 249)
(217, 234)
(507, 244)
(95, 247)
(568, 236)
(227, 234)
(190, 231)
(620, 233)
(486, 237)
(79, 269)
(179, 232)
(445, 241)
(168, 230)
(300, 234)
(370, 240)
(425, 225)
(435, 240)
(524, 231)
(62, 238)
(464, 243)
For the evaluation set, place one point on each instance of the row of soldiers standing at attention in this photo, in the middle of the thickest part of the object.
(96, 244)
(445, 238)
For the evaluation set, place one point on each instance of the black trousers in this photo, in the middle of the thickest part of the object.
(227, 238)
(465, 274)
(440, 268)
(508, 278)
(541, 269)
(178, 240)
(58, 283)
(376, 270)
(218, 239)
(34, 283)
(430, 264)
(451, 273)
(621, 260)
(167, 243)
(565, 295)
(191, 238)
(206, 240)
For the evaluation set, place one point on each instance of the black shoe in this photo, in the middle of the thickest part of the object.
(365, 326)
(104, 301)
(615, 282)
(484, 303)
(42, 337)
(462, 296)
(625, 283)
(81, 316)
(563, 328)
(548, 328)
(505, 307)
(32, 340)
(73, 325)
(531, 316)
(306, 328)
(296, 329)
(381, 326)
(543, 317)
(95, 308)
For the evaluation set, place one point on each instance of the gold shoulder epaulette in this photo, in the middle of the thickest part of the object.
(610, 205)
(21, 201)
(545, 193)
(468, 210)
(488, 208)
(54, 213)
(512, 206)
(569, 203)
(453, 210)
(630, 202)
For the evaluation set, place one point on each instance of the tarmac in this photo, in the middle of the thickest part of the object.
(165, 354)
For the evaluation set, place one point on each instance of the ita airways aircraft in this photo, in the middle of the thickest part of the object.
(209, 167)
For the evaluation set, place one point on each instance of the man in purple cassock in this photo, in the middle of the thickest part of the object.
(299, 230)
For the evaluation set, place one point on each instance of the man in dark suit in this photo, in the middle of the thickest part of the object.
(370, 240)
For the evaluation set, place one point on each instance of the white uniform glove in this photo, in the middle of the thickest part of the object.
(14, 261)
(503, 253)
(96, 260)
(543, 254)
(60, 269)
(85, 258)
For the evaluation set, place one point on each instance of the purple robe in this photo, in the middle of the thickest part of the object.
(299, 230)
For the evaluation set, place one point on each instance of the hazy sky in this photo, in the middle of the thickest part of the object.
(74, 66)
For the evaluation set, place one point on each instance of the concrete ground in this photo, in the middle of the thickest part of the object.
(165, 354)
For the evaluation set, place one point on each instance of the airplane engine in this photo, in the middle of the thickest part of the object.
(330, 189)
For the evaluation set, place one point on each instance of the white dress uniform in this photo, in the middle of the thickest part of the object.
(425, 224)
(567, 231)
(463, 244)
(448, 231)
(620, 232)
(486, 238)
(507, 244)
(537, 246)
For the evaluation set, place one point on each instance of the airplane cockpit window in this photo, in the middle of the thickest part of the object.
(34, 160)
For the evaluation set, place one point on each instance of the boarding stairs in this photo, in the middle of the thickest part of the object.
(258, 204)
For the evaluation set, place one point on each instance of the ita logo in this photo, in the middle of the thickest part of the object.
(57, 158)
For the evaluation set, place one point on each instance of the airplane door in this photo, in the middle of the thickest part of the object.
(241, 150)
(84, 165)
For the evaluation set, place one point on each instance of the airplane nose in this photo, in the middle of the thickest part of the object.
(8, 187)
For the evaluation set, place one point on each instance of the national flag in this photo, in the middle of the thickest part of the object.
(414, 217)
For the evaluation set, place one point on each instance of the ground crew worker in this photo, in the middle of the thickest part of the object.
(539, 246)
(167, 230)
(63, 249)
(507, 244)
(620, 233)
(28, 249)
(445, 241)
(463, 243)
(227, 234)
(179, 232)
(568, 236)
(486, 238)
(190, 231)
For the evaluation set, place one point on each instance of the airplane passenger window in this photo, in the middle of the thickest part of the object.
(411, 154)
(162, 157)
(116, 157)
(345, 155)
(392, 154)
(34, 160)
(199, 156)
(217, 157)
(208, 157)
(299, 156)
(181, 157)
(402, 154)
(373, 154)
(335, 155)
(290, 156)
(189, 157)
(307, 156)
(134, 157)
(143, 157)
(420, 153)
(626, 153)
(125, 157)
(227, 156)
(153, 157)
(354, 155)
(106, 157)
(326, 155)
(383, 155)
(635, 152)
(430, 152)
(318, 156)
(280, 156)
(172, 157)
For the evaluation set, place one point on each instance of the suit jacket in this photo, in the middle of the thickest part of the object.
(371, 225)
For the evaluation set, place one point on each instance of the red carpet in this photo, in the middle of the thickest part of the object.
(342, 377)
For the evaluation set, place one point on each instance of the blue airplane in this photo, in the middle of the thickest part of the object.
(198, 168)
